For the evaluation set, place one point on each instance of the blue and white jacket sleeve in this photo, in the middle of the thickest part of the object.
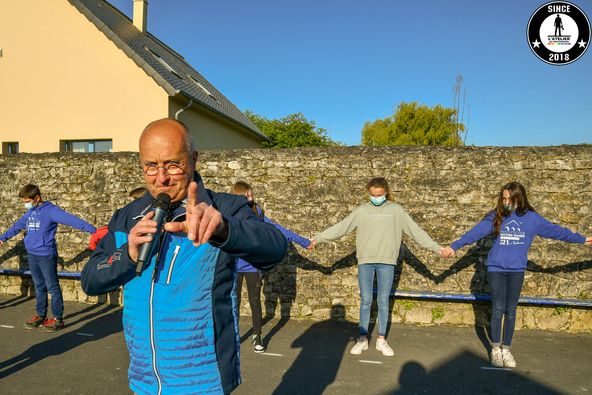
(16, 228)
(479, 231)
(110, 266)
(292, 237)
(550, 230)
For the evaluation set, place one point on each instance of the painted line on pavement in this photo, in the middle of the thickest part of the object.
(7, 326)
(367, 361)
(84, 334)
(271, 354)
(493, 368)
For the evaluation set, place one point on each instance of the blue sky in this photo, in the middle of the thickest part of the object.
(344, 62)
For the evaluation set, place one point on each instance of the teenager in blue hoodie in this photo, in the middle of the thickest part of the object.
(251, 274)
(40, 223)
(515, 224)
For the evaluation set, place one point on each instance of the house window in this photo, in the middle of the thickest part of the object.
(86, 145)
(10, 148)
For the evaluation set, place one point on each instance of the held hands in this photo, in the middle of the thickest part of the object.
(202, 221)
(312, 245)
(446, 252)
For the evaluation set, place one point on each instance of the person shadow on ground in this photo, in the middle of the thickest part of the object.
(279, 289)
(405, 257)
(462, 374)
(476, 256)
(280, 285)
(27, 290)
(101, 323)
(323, 346)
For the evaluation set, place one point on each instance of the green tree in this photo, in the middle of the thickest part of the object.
(414, 124)
(293, 130)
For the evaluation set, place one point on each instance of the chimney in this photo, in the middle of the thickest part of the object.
(140, 16)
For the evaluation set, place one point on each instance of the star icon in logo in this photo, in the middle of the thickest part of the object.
(582, 43)
(535, 43)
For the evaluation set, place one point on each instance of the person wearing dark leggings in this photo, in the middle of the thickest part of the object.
(514, 223)
(252, 276)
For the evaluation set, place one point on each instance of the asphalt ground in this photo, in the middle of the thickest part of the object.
(89, 357)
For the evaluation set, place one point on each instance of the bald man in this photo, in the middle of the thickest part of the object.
(179, 315)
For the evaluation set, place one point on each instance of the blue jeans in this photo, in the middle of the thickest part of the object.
(44, 271)
(505, 292)
(384, 280)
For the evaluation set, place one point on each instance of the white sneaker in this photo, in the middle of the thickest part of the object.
(382, 345)
(496, 357)
(508, 358)
(361, 345)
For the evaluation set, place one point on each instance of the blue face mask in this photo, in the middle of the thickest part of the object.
(29, 205)
(377, 201)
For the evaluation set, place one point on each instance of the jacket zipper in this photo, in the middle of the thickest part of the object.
(177, 248)
(151, 313)
(152, 345)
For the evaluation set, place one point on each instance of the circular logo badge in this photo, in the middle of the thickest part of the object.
(558, 33)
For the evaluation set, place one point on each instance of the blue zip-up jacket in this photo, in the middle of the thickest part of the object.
(510, 248)
(180, 316)
(41, 223)
(245, 267)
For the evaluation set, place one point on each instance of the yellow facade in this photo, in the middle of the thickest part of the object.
(61, 79)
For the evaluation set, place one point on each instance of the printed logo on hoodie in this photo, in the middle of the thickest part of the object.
(510, 234)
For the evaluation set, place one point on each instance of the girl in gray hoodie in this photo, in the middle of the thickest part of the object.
(379, 226)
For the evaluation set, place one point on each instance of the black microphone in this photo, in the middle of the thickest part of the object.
(161, 206)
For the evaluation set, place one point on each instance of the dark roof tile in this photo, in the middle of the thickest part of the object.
(144, 49)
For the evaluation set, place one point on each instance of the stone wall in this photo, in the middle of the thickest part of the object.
(446, 191)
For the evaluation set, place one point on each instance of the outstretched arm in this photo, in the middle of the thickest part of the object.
(292, 237)
(418, 234)
(338, 230)
(550, 230)
(65, 218)
(479, 231)
(241, 233)
(14, 229)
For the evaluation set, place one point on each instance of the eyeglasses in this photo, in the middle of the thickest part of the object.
(172, 168)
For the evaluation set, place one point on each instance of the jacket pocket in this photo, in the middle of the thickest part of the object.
(172, 265)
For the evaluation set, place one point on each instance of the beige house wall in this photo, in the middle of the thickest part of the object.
(61, 78)
(211, 131)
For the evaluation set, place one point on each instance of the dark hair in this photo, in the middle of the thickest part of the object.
(379, 182)
(519, 201)
(29, 191)
(241, 188)
(138, 193)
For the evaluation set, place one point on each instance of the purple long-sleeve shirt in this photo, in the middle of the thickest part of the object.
(245, 267)
(517, 232)
(41, 223)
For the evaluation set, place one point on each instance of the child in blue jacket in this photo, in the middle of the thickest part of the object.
(40, 223)
(251, 274)
(515, 224)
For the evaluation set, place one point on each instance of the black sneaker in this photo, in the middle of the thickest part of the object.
(257, 344)
(54, 324)
(35, 322)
